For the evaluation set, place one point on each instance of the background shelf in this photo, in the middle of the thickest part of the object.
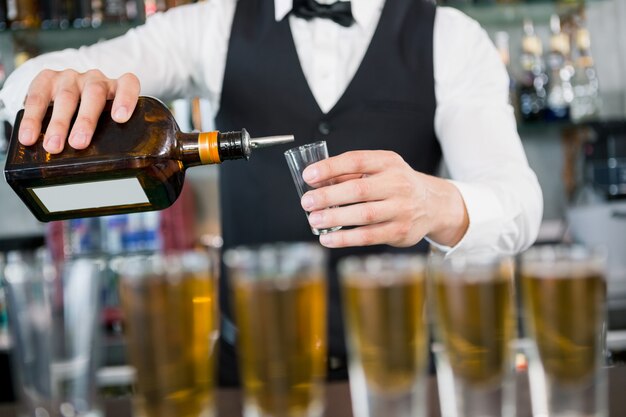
(46, 40)
(514, 13)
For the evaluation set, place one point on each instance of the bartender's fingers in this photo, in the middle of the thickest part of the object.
(353, 162)
(65, 96)
(375, 234)
(126, 96)
(37, 101)
(353, 215)
(96, 89)
(369, 188)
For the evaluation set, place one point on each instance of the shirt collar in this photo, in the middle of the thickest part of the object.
(362, 10)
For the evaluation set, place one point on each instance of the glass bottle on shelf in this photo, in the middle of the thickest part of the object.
(115, 11)
(63, 13)
(586, 102)
(23, 14)
(97, 12)
(49, 13)
(4, 19)
(135, 10)
(154, 6)
(129, 167)
(83, 12)
(560, 72)
(533, 80)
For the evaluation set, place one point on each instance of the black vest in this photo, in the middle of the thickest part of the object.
(389, 104)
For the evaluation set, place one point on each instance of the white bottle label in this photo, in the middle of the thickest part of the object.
(110, 193)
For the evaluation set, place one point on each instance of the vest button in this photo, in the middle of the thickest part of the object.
(324, 127)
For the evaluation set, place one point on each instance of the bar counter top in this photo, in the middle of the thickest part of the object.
(338, 399)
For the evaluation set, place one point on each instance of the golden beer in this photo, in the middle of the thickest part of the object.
(171, 325)
(282, 342)
(476, 324)
(386, 326)
(563, 316)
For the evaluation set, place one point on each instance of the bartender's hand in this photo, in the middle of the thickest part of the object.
(66, 89)
(389, 202)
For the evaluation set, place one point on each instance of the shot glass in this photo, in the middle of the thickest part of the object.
(387, 334)
(564, 305)
(170, 309)
(475, 331)
(53, 314)
(280, 311)
(298, 159)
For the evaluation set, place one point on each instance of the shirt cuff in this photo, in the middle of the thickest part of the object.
(485, 214)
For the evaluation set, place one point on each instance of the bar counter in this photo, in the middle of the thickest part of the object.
(338, 399)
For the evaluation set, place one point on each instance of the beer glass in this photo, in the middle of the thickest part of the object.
(53, 314)
(280, 311)
(298, 159)
(170, 309)
(474, 317)
(386, 331)
(564, 304)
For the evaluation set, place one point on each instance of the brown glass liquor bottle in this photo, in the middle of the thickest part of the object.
(128, 167)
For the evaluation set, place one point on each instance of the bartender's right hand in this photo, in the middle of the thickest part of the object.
(67, 89)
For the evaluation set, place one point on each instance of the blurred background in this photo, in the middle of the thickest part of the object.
(566, 61)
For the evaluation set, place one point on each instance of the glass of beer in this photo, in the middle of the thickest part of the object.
(171, 325)
(564, 305)
(386, 330)
(280, 312)
(475, 330)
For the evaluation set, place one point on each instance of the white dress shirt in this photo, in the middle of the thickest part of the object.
(182, 53)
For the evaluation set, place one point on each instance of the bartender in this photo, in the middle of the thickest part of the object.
(390, 85)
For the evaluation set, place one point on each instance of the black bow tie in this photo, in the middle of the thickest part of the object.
(339, 12)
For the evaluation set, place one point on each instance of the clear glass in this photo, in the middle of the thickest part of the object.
(474, 324)
(54, 321)
(280, 311)
(298, 159)
(564, 304)
(171, 318)
(387, 334)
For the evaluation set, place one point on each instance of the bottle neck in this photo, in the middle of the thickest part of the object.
(206, 148)
(199, 148)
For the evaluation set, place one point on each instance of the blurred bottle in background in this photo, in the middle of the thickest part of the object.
(3, 15)
(83, 16)
(23, 14)
(49, 12)
(114, 11)
(154, 6)
(560, 73)
(533, 80)
(586, 101)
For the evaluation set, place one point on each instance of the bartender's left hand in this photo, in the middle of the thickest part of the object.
(388, 201)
